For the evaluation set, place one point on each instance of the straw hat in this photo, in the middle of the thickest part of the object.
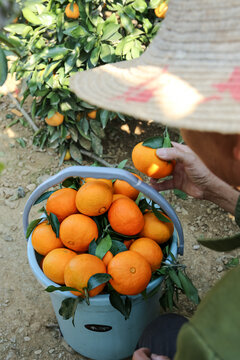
(189, 77)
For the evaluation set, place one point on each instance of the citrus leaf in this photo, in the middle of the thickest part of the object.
(174, 277)
(122, 164)
(75, 153)
(107, 53)
(117, 247)
(166, 139)
(92, 247)
(68, 308)
(97, 129)
(188, 288)
(159, 215)
(104, 116)
(140, 5)
(126, 23)
(144, 205)
(227, 243)
(52, 288)
(180, 194)
(118, 303)
(97, 279)
(32, 226)
(43, 197)
(31, 17)
(154, 142)
(96, 144)
(109, 29)
(54, 223)
(104, 245)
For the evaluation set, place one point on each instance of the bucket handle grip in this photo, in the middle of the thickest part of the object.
(107, 173)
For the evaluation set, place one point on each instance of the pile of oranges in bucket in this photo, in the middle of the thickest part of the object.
(104, 227)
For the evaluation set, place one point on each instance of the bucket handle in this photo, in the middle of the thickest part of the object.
(107, 173)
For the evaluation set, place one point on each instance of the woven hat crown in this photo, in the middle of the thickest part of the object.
(189, 76)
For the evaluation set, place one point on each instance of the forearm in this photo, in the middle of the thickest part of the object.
(222, 194)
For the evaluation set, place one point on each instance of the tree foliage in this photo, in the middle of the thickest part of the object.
(53, 47)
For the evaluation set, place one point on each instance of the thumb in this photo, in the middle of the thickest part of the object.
(176, 153)
(169, 154)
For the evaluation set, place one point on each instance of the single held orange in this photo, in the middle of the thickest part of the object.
(44, 239)
(146, 160)
(106, 181)
(72, 14)
(55, 120)
(150, 250)
(124, 188)
(77, 231)
(125, 217)
(94, 198)
(79, 270)
(62, 203)
(92, 114)
(55, 262)
(161, 10)
(107, 257)
(130, 272)
(155, 229)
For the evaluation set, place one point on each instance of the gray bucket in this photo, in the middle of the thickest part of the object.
(100, 331)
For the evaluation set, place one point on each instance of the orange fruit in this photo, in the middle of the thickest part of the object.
(128, 243)
(67, 155)
(62, 203)
(72, 14)
(146, 160)
(150, 250)
(54, 264)
(125, 217)
(55, 120)
(92, 114)
(161, 10)
(124, 188)
(107, 257)
(94, 198)
(77, 231)
(118, 196)
(106, 181)
(79, 270)
(155, 229)
(44, 239)
(130, 272)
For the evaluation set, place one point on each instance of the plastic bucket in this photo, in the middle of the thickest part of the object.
(100, 331)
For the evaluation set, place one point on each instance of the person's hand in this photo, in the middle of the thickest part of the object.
(189, 175)
(192, 176)
(145, 354)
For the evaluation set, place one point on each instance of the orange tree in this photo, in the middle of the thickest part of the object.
(57, 38)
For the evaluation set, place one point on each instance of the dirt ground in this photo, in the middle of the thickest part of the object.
(28, 325)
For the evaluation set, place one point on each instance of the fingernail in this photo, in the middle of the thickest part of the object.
(162, 153)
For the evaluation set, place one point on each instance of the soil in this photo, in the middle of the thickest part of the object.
(29, 329)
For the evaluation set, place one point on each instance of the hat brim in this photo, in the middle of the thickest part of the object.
(169, 94)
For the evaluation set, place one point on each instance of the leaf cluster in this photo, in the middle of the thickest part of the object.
(175, 281)
(53, 47)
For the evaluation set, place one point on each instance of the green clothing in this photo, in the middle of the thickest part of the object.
(213, 333)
